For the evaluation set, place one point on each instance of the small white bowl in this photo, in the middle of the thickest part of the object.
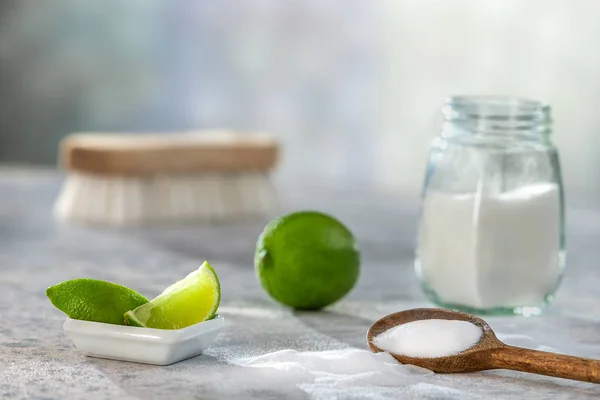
(142, 345)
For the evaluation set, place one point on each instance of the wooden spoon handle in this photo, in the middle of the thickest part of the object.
(544, 363)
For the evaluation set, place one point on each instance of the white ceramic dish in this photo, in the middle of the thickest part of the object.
(143, 345)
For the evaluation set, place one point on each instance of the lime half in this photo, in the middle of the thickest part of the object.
(94, 300)
(193, 299)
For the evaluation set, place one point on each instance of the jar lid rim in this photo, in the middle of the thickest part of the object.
(495, 99)
(496, 108)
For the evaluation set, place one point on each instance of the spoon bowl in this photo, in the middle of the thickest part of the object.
(466, 361)
(488, 353)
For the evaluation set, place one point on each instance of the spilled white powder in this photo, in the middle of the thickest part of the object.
(322, 373)
(429, 338)
(336, 366)
(334, 374)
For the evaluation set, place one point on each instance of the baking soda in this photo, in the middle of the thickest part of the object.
(336, 364)
(429, 338)
(485, 251)
(347, 373)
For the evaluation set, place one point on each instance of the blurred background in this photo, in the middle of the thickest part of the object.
(352, 88)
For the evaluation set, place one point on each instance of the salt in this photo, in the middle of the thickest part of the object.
(491, 251)
(327, 374)
(429, 338)
(336, 366)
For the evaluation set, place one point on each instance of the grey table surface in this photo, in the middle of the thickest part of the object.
(38, 361)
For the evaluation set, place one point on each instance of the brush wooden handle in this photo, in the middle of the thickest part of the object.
(139, 154)
(544, 363)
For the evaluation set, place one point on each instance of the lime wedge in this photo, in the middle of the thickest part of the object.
(193, 299)
(94, 300)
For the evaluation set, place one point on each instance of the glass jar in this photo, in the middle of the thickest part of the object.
(491, 233)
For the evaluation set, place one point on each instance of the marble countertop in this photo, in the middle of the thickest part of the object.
(37, 361)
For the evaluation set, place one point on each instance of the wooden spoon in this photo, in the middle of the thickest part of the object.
(488, 353)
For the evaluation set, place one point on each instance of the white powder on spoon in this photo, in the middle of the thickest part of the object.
(429, 338)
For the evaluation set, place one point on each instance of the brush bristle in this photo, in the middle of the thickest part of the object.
(120, 201)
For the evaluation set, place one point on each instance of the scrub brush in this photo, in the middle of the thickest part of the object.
(133, 179)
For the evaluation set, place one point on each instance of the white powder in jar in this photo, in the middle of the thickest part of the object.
(485, 251)
(429, 338)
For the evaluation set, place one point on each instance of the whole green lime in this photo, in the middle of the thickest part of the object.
(307, 260)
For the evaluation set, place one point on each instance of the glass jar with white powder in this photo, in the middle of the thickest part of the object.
(491, 234)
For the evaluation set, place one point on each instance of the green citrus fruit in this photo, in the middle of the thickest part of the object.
(94, 300)
(193, 299)
(307, 260)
